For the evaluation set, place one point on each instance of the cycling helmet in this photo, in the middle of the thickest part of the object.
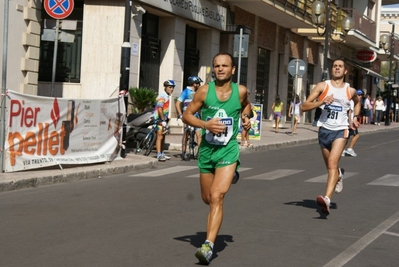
(169, 83)
(194, 79)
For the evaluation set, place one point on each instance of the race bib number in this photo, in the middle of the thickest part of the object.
(331, 113)
(221, 139)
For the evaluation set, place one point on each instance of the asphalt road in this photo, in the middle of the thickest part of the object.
(155, 217)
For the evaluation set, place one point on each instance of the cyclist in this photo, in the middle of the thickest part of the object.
(161, 113)
(194, 82)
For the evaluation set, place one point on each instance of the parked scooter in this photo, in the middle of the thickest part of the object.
(137, 127)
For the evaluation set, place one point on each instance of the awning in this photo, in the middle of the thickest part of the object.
(368, 71)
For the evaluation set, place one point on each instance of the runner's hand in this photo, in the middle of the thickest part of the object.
(215, 126)
(246, 123)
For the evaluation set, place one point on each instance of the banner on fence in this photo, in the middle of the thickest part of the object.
(47, 131)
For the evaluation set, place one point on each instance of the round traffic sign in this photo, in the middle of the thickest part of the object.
(297, 67)
(58, 9)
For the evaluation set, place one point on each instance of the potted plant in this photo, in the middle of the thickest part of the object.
(142, 98)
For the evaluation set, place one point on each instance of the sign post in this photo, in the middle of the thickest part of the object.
(240, 49)
(57, 9)
(297, 68)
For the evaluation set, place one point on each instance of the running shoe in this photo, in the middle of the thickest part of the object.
(204, 253)
(324, 204)
(343, 153)
(236, 177)
(166, 157)
(351, 152)
(161, 158)
(340, 184)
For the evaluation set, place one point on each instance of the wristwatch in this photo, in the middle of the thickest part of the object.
(246, 115)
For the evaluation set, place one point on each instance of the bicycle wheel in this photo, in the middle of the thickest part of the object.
(151, 144)
(189, 140)
(146, 144)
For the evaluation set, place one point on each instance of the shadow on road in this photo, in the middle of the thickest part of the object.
(311, 204)
(198, 239)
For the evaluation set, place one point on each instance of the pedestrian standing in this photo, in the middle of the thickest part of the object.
(367, 110)
(333, 96)
(162, 113)
(244, 133)
(221, 102)
(295, 105)
(379, 109)
(277, 109)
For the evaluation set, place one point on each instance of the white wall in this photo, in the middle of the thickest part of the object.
(101, 48)
(20, 12)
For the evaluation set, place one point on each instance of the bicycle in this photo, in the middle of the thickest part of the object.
(191, 143)
(148, 142)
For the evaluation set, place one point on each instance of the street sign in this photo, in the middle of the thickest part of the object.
(50, 35)
(58, 9)
(244, 45)
(297, 67)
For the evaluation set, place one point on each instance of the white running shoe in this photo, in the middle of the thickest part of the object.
(340, 184)
(166, 157)
(324, 204)
(351, 152)
(343, 153)
(161, 158)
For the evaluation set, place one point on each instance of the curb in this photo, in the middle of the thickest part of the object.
(22, 180)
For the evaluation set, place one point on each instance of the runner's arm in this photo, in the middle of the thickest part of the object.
(312, 101)
(195, 105)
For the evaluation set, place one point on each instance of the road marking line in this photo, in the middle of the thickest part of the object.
(239, 170)
(323, 178)
(388, 180)
(391, 233)
(274, 174)
(363, 242)
(161, 172)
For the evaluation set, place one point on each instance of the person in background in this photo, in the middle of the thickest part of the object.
(379, 110)
(372, 110)
(333, 96)
(298, 112)
(352, 131)
(161, 113)
(222, 103)
(277, 109)
(244, 133)
(194, 82)
(367, 110)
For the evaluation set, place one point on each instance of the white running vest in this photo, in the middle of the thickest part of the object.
(335, 115)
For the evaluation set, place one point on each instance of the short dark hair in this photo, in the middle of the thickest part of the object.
(233, 64)
(340, 59)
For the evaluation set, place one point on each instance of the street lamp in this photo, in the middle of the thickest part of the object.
(321, 18)
(387, 42)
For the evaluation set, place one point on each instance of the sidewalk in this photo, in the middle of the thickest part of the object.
(306, 134)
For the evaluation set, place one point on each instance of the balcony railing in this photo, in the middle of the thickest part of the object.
(363, 24)
(302, 7)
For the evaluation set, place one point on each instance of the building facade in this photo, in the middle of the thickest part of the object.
(173, 39)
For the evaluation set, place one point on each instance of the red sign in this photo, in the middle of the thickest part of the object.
(58, 9)
(366, 56)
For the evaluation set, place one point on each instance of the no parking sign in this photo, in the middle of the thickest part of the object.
(58, 9)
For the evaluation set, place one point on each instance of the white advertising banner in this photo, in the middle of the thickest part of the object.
(47, 131)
